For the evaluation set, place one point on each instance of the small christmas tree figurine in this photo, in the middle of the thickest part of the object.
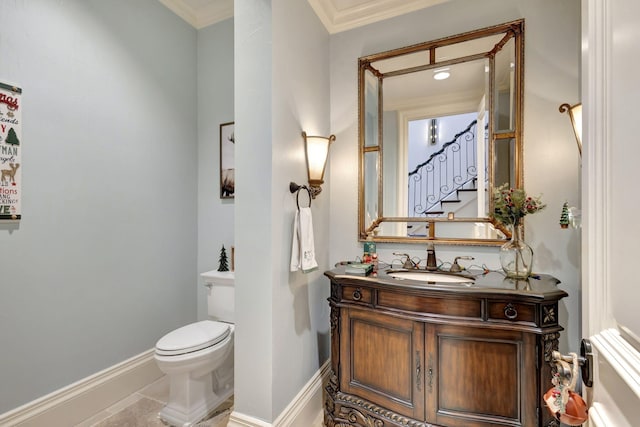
(564, 217)
(12, 138)
(223, 265)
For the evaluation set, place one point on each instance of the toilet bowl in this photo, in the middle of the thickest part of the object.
(198, 359)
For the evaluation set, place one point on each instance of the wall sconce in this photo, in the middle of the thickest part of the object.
(316, 152)
(575, 113)
(433, 131)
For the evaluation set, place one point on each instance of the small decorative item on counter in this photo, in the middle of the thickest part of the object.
(223, 264)
(564, 216)
(369, 249)
(359, 269)
(511, 206)
(374, 261)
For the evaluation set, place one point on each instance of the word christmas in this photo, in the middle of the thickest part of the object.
(9, 100)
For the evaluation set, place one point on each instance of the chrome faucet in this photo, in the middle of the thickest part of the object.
(432, 263)
(408, 263)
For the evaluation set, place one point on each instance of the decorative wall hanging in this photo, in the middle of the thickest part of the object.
(10, 153)
(227, 160)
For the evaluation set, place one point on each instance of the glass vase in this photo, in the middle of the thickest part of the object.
(516, 256)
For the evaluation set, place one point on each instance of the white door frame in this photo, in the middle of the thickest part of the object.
(615, 396)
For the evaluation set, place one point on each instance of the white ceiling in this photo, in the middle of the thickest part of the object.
(336, 15)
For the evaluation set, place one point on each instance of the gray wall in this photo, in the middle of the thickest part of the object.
(253, 235)
(215, 106)
(104, 260)
(551, 160)
(282, 88)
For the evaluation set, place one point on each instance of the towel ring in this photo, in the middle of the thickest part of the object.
(295, 188)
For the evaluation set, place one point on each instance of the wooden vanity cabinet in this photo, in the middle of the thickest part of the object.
(405, 354)
(385, 359)
(488, 376)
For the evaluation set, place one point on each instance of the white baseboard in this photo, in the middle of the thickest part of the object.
(240, 420)
(304, 410)
(73, 404)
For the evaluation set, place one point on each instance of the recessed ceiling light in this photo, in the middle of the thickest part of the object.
(441, 74)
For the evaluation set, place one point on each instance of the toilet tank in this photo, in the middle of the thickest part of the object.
(220, 294)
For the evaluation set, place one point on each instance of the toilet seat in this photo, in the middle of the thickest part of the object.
(192, 337)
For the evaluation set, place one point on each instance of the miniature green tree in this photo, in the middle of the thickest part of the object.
(564, 217)
(12, 138)
(223, 264)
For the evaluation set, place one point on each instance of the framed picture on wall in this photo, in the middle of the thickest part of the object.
(227, 160)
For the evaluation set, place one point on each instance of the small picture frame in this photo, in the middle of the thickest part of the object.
(227, 160)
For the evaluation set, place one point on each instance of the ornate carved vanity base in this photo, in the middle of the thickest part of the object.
(415, 354)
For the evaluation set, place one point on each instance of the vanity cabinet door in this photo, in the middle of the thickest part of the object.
(382, 361)
(480, 377)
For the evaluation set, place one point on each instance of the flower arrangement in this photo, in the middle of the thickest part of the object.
(513, 204)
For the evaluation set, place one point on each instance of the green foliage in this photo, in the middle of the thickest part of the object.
(513, 204)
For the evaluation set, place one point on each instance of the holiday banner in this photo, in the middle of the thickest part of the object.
(10, 137)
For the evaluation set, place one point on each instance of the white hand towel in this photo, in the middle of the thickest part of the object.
(295, 244)
(303, 254)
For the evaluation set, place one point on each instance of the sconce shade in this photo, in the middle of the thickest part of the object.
(575, 113)
(317, 152)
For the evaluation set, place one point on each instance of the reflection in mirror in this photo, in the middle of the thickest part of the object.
(371, 102)
(440, 127)
(503, 162)
(504, 87)
(442, 159)
(371, 186)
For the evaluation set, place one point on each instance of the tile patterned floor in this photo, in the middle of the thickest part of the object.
(141, 410)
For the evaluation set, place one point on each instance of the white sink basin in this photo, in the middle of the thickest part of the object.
(430, 277)
(218, 277)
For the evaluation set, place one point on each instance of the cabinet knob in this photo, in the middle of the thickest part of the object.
(357, 295)
(510, 311)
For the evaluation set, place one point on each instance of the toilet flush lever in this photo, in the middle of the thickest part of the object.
(209, 285)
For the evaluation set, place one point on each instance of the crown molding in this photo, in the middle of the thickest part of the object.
(215, 12)
(337, 20)
(212, 12)
(334, 18)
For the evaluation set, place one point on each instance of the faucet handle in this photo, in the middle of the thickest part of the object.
(407, 262)
(455, 267)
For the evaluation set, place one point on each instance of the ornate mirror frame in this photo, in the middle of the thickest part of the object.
(368, 225)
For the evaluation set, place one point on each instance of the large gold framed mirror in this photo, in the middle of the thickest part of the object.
(440, 126)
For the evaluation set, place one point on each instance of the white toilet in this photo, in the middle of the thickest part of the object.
(198, 358)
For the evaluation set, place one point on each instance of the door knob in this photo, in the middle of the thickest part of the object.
(562, 401)
(586, 354)
(585, 360)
